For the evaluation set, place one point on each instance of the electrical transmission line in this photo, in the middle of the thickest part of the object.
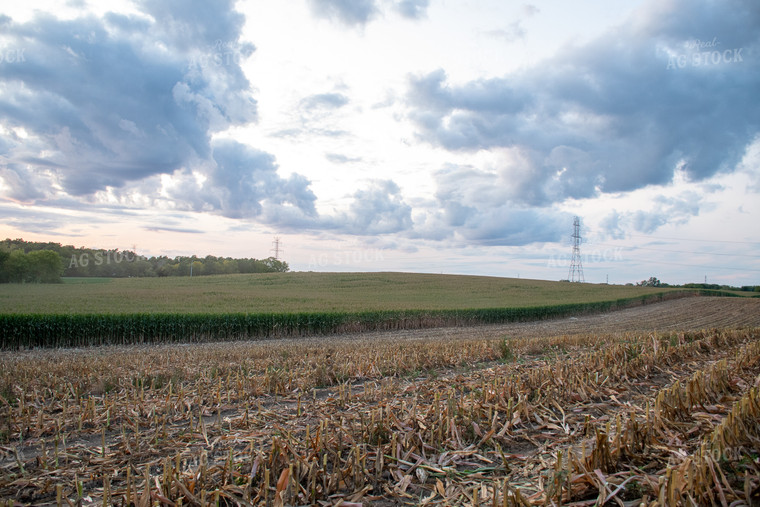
(277, 249)
(576, 266)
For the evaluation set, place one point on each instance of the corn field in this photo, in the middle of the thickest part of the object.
(586, 419)
(18, 331)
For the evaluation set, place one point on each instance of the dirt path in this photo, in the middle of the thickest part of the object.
(681, 314)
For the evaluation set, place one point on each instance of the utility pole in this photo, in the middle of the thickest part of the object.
(576, 266)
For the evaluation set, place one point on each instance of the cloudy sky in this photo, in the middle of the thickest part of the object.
(436, 136)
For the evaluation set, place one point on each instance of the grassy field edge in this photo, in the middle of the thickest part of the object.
(77, 330)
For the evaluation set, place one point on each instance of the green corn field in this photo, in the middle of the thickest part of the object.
(78, 330)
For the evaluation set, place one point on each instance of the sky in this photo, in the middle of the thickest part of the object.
(439, 136)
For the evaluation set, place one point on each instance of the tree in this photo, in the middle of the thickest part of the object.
(3, 273)
(45, 266)
(17, 266)
(230, 266)
(41, 266)
(211, 266)
(275, 265)
(115, 263)
(652, 282)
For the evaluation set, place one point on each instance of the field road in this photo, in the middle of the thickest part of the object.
(690, 313)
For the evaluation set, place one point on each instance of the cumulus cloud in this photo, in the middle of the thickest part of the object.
(515, 30)
(339, 158)
(348, 12)
(672, 210)
(21, 184)
(324, 101)
(121, 98)
(111, 105)
(240, 182)
(504, 225)
(750, 164)
(378, 209)
(510, 226)
(320, 114)
(358, 13)
(413, 9)
(511, 33)
(476, 206)
(194, 24)
(611, 115)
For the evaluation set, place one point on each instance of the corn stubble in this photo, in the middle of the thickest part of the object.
(571, 420)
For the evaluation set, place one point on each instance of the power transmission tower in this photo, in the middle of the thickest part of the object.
(576, 266)
(276, 248)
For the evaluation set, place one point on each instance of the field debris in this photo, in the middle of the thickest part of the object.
(620, 419)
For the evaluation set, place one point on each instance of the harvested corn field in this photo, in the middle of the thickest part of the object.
(657, 407)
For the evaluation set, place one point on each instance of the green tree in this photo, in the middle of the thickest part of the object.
(211, 266)
(275, 265)
(115, 263)
(183, 265)
(45, 266)
(3, 273)
(230, 266)
(17, 266)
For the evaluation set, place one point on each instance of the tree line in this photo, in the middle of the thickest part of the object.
(28, 261)
(40, 266)
(654, 282)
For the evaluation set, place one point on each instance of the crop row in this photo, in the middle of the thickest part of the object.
(497, 435)
(689, 415)
(77, 330)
